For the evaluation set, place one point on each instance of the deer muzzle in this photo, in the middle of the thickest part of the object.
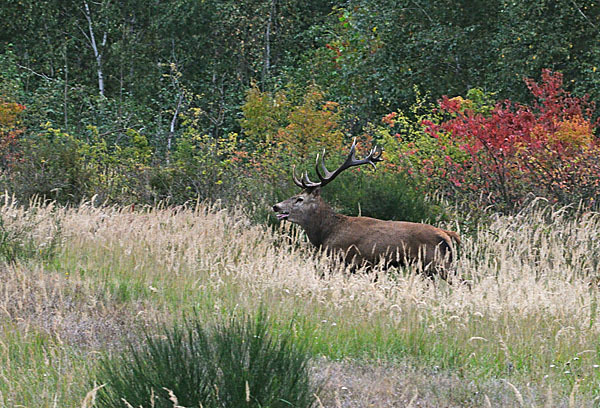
(281, 214)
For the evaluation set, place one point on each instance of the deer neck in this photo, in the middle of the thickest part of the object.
(322, 224)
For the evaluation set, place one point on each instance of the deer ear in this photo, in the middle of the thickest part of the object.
(316, 191)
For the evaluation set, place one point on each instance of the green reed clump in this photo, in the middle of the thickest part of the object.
(240, 362)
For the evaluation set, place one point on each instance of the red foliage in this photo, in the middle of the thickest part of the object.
(548, 149)
(390, 119)
(9, 132)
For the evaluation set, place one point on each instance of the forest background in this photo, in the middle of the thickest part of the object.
(137, 102)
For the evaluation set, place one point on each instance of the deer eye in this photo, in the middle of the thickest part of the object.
(299, 199)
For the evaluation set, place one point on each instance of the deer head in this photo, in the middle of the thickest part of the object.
(305, 208)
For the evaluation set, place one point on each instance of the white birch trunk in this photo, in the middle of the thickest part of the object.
(267, 63)
(97, 53)
(172, 127)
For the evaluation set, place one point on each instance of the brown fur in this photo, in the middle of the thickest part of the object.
(365, 239)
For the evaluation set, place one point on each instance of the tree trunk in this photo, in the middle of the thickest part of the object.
(97, 53)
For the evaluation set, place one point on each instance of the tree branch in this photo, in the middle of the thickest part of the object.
(46, 77)
(584, 16)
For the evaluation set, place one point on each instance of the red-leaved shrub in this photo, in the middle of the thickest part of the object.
(546, 149)
(10, 131)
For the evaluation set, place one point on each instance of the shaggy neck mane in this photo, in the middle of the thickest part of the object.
(322, 223)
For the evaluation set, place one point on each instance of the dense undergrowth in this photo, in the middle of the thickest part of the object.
(473, 152)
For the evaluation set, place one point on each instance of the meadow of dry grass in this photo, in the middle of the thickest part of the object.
(523, 331)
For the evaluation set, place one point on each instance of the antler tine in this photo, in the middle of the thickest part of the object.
(351, 157)
(374, 156)
(378, 151)
(295, 178)
(327, 173)
(307, 183)
(303, 182)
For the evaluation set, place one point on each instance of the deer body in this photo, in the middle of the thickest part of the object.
(364, 239)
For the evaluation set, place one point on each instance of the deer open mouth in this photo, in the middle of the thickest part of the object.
(282, 215)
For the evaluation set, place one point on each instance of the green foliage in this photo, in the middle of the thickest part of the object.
(386, 194)
(119, 172)
(405, 140)
(533, 35)
(312, 124)
(278, 125)
(52, 167)
(287, 131)
(263, 114)
(244, 362)
(288, 78)
(479, 101)
(55, 165)
(201, 166)
(378, 49)
(366, 55)
(11, 78)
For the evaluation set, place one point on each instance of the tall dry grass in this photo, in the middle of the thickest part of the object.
(528, 315)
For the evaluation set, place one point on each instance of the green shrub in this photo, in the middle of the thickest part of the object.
(52, 167)
(287, 128)
(385, 194)
(239, 363)
(200, 167)
(119, 172)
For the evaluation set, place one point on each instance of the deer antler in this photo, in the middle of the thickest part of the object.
(326, 176)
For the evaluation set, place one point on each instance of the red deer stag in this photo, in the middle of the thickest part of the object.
(363, 239)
